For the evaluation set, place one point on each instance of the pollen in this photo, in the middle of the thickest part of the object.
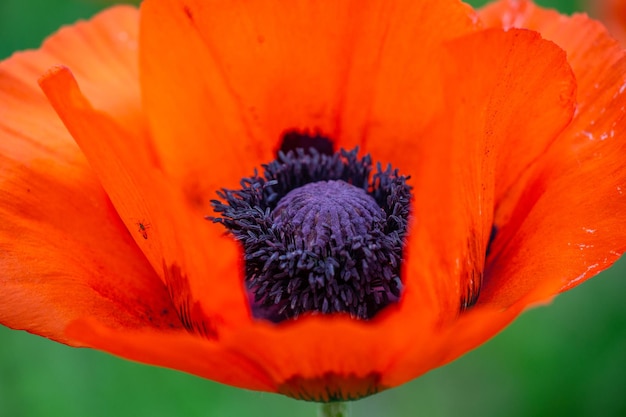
(321, 233)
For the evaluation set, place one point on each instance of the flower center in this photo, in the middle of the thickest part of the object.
(320, 234)
(327, 213)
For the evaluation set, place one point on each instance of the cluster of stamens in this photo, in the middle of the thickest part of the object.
(320, 233)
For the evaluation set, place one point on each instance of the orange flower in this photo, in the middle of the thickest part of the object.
(513, 140)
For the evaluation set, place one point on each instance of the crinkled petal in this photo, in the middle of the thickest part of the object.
(230, 80)
(564, 223)
(169, 227)
(498, 85)
(65, 254)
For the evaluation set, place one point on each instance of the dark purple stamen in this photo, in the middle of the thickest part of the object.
(319, 234)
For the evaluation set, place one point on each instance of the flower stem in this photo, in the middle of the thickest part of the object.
(336, 409)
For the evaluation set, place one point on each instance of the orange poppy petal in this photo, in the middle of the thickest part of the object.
(317, 367)
(177, 241)
(333, 356)
(208, 359)
(520, 96)
(103, 55)
(60, 236)
(568, 215)
(492, 77)
(468, 332)
(101, 52)
(394, 85)
(255, 356)
(233, 88)
(196, 120)
(116, 142)
(455, 338)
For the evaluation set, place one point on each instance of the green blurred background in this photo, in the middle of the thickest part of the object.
(567, 359)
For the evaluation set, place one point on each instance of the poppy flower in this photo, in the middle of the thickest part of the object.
(318, 199)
